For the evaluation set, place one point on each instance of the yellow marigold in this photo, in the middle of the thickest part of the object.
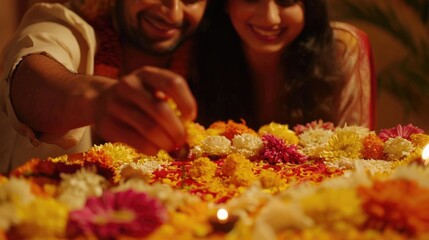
(281, 131)
(196, 133)
(343, 145)
(235, 162)
(231, 128)
(244, 177)
(202, 168)
(420, 139)
(43, 218)
(334, 208)
(119, 152)
(270, 179)
(372, 147)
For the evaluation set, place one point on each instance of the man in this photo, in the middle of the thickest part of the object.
(51, 94)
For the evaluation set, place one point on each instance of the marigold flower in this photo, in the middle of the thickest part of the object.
(400, 205)
(270, 179)
(202, 168)
(235, 162)
(43, 218)
(399, 131)
(232, 128)
(334, 208)
(281, 131)
(195, 133)
(129, 213)
(373, 147)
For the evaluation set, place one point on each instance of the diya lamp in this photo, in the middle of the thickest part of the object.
(223, 222)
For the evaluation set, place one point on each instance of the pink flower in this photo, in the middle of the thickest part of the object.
(313, 125)
(276, 151)
(114, 214)
(399, 131)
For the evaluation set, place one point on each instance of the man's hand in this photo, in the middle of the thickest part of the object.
(132, 111)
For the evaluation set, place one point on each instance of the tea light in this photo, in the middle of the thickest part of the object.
(223, 222)
(425, 156)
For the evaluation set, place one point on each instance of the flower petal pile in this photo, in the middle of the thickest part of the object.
(314, 181)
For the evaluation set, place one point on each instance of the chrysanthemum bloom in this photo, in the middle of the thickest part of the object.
(373, 147)
(281, 131)
(401, 205)
(276, 151)
(420, 139)
(313, 141)
(128, 213)
(247, 144)
(343, 145)
(399, 131)
(231, 128)
(397, 148)
(319, 124)
(216, 145)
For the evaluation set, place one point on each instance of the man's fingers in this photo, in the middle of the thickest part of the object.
(156, 109)
(172, 85)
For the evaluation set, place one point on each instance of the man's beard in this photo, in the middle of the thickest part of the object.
(137, 37)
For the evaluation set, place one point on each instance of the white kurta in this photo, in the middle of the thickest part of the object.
(55, 31)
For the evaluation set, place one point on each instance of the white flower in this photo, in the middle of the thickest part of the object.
(146, 166)
(314, 140)
(216, 145)
(13, 193)
(247, 144)
(398, 148)
(75, 188)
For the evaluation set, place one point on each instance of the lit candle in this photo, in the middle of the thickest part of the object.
(425, 156)
(223, 222)
(222, 215)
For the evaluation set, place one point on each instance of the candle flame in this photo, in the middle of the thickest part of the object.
(425, 155)
(222, 214)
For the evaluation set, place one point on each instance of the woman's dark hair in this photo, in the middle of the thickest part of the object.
(222, 84)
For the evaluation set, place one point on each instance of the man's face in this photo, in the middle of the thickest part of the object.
(158, 26)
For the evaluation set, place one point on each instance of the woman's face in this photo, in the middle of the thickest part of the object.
(266, 26)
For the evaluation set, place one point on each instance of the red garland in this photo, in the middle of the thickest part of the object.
(108, 58)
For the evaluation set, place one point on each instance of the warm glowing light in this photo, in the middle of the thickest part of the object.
(222, 215)
(425, 155)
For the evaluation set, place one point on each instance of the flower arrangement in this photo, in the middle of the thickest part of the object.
(314, 181)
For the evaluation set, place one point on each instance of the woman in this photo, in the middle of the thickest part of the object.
(269, 60)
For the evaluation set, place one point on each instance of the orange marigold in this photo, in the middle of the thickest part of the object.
(231, 128)
(399, 205)
(373, 147)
